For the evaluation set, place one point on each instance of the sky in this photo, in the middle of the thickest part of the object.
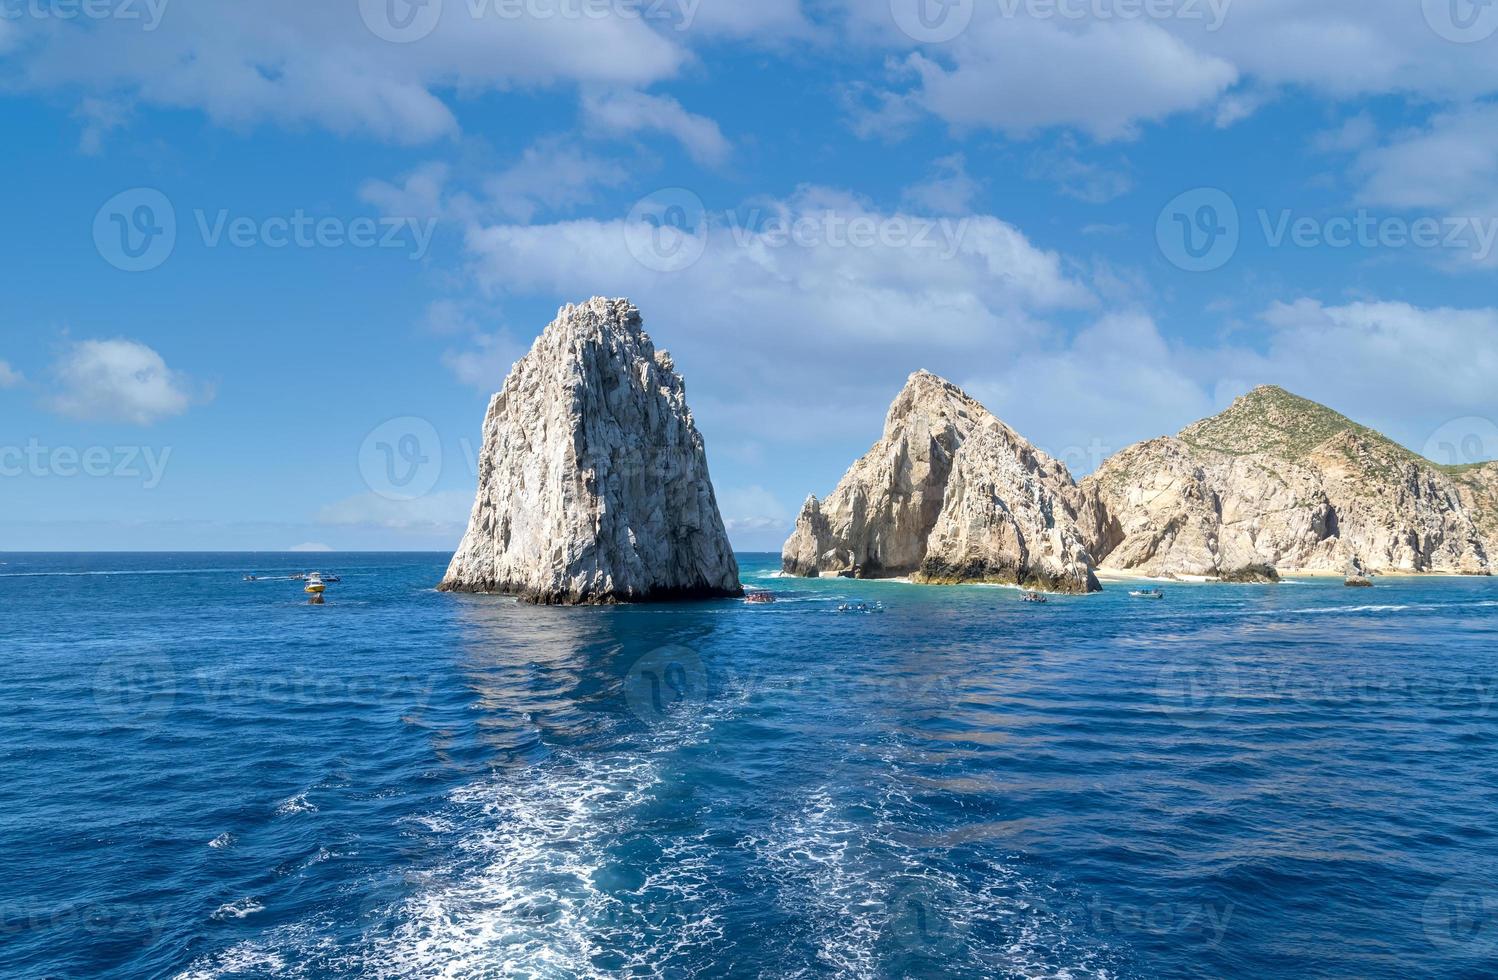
(267, 262)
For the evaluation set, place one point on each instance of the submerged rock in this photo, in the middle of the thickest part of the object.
(593, 481)
(1282, 483)
(949, 494)
(1251, 575)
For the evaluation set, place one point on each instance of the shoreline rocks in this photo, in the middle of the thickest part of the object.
(593, 478)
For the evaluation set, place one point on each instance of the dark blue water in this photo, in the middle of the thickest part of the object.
(206, 777)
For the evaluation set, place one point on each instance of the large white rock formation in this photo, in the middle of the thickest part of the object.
(593, 482)
(949, 494)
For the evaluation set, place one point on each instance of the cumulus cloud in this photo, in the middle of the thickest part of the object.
(1021, 68)
(486, 362)
(1075, 177)
(637, 112)
(1146, 390)
(552, 176)
(1441, 361)
(117, 381)
(419, 194)
(339, 66)
(772, 21)
(1022, 76)
(1451, 163)
(9, 376)
(815, 306)
(819, 261)
(949, 190)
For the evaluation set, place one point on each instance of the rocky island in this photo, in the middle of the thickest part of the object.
(1275, 485)
(593, 480)
(1280, 484)
(950, 494)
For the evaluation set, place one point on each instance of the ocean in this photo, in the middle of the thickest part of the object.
(205, 777)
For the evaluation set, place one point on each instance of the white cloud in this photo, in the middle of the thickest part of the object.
(311, 547)
(1113, 384)
(553, 175)
(448, 316)
(636, 112)
(769, 332)
(949, 190)
(1449, 164)
(1022, 76)
(487, 362)
(1106, 75)
(916, 282)
(117, 381)
(289, 62)
(1438, 362)
(1086, 181)
(420, 193)
(764, 20)
(1354, 134)
(9, 376)
(100, 117)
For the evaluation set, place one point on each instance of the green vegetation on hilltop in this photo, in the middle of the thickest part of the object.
(1274, 422)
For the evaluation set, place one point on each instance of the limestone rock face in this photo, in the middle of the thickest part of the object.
(1283, 483)
(949, 494)
(593, 481)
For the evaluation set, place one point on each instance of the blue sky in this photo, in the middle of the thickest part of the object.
(1105, 218)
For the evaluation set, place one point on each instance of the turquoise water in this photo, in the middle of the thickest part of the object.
(207, 777)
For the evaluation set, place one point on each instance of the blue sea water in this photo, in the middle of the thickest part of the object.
(208, 777)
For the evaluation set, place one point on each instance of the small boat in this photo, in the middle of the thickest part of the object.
(1148, 594)
(331, 579)
(1035, 597)
(760, 598)
(251, 578)
(315, 584)
(861, 607)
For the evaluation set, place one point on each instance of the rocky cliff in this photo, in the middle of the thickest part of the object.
(1280, 482)
(950, 494)
(593, 482)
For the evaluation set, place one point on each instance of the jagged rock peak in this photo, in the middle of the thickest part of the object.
(593, 479)
(948, 494)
